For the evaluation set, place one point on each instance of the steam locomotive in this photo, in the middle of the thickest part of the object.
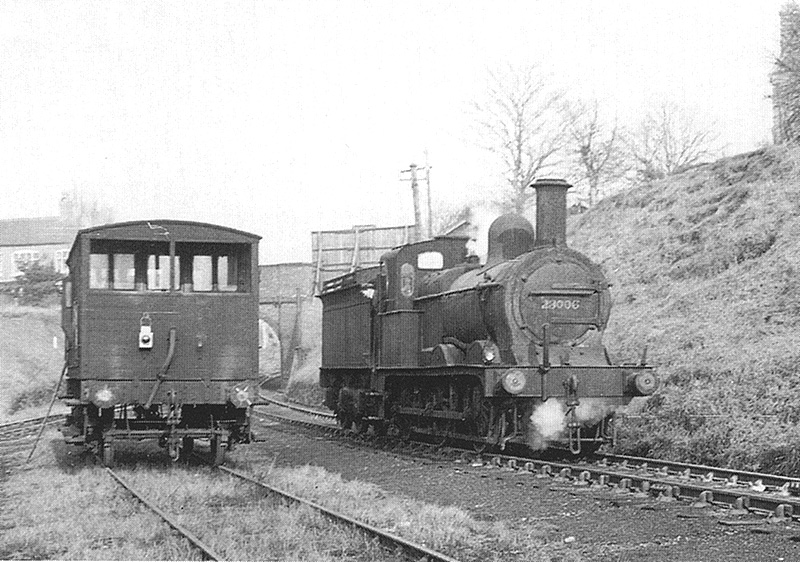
(506, 352)
(160, 320)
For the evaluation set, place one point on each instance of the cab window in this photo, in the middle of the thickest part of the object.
(430, 260)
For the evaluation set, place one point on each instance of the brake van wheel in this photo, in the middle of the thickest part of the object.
(108, 454)
(187, 447)
(217, 450)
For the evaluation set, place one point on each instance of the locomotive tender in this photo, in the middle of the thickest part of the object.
(161, 335)
(509, 351)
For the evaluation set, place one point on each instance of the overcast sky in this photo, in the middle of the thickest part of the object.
(283, 117)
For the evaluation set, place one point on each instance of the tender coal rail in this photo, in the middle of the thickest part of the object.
(413, 550)
(205, 550)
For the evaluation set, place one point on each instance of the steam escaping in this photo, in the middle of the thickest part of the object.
(549, 419)
(594, 410)
(479, 217)
(482, 217)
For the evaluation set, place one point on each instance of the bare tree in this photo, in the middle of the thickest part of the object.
(448, 217)
(84, 208)
(785, 78)
(596, 146)
(520, 122)
(668, 141)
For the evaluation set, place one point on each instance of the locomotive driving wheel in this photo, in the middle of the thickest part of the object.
(345, 420)
(361, 426)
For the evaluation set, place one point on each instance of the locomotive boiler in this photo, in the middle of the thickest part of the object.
(509, 351)
(161, 336)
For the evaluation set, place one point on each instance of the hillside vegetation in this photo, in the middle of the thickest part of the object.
(704, 267)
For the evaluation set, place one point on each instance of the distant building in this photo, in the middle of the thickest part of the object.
(46, 240)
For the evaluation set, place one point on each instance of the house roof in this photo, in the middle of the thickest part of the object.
(36, 231)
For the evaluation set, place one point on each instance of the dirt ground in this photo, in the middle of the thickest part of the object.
(601, 524)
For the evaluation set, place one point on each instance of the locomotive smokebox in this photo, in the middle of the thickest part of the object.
(551, 212)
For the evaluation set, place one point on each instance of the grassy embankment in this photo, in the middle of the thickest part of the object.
(705, 269)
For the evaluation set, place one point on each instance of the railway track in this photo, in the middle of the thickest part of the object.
(206, 551)
(392, 542)
(413, 551)
(274, 398)
(767, 494)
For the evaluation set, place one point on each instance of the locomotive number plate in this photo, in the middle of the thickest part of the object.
(560, 304)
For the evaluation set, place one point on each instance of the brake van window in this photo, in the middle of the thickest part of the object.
(112, 271)
(158, 272)
(227, 276)
(98, 271)
(202, 273)
(214, 267)
(124, 272)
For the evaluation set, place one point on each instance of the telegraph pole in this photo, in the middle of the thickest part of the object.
(428, 182)
(417, 211)
(423, 227)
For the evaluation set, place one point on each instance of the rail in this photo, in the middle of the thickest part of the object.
(414, 550)
(207, 552)
(770, 494)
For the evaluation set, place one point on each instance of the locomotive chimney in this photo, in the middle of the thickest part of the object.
(551, 212)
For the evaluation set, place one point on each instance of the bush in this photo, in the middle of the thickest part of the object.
(37, 286)
(37, 395)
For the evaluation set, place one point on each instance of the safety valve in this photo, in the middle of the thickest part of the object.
(145, 332)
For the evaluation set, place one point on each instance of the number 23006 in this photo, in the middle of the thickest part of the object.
(564, 304)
